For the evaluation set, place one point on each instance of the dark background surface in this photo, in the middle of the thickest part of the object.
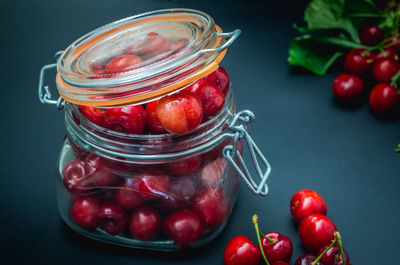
(346, 155)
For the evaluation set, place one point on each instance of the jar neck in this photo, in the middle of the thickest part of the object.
(153, 148)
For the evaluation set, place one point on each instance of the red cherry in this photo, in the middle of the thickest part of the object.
(99, 175)
(180, 113)
(385, 69)
(280, 249)
(153, 124)
(332, 256)
(152, 186)
(305, 203)
(388, 53)
(220, 77)
(371, 35)
(126, 195)
(131, 119)
(184, 166)
(84, 212)
(112, 218)
(185, 187)
(358, 61)
(347, 87)
(211, 173)
(241, 251)
(145, 223)
(279, 262)
(212, 207)
(74, 174)
(122, 63)
(93, 114)
(211, 97)
(316, 231)
(394, 39)
(184, 227)
(307, 259)
(383, 98)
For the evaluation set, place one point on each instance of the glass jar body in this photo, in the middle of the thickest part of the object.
(136, 190)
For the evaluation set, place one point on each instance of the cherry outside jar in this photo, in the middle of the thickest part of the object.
(161, 191)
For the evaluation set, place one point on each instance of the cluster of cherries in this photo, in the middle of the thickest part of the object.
(178, 113)
(316, 231)
(382, 60)
(182, 200)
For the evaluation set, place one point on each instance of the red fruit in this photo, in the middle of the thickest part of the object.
(385, 69)
(212, 207)
(99, 175)
(145, 223)
(152, 186)
(307, 259)
(84, 212)
(332, 256)
(241, 251)
(126, 195)
(383, 98)
(316, 231)
(122, 63)
(280, 249)
(74, 174)
(358, 61)
(185, 187)
(153, 124)
(305, 203)
(131, 119)
(388, 53)
(371, 35)
(184, 227)
(211, 173)
(211, 97)
(112, 218)
(347, 87)
(184, 166)
(220, 78)
(93, 114)
(180, 113)
(394, 39)
(279, 262)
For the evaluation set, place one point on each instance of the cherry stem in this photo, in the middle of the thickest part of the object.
(255, 220)
(323, 253)
(395, 78)
(270, 240)
(339, 241)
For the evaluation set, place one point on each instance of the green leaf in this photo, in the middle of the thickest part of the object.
(339, 41)
(329, 14)
(308, 53)
(397, 149)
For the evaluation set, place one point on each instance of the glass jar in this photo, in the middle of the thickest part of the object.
(163, 191)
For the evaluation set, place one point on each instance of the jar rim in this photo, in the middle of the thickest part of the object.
(152, 78)
(122, 146)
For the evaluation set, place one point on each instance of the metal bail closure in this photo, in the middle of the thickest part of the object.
(239, 126)
(44, 90)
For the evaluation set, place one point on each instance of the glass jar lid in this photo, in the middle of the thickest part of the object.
(141, 58)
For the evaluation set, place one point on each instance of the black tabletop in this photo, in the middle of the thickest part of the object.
(344, 154)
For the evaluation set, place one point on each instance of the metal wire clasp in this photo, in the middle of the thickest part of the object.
(44, 90)
(239, 126)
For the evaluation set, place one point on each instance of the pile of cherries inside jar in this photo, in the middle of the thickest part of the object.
(317, 233)
(382, 60)
(180, 200)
